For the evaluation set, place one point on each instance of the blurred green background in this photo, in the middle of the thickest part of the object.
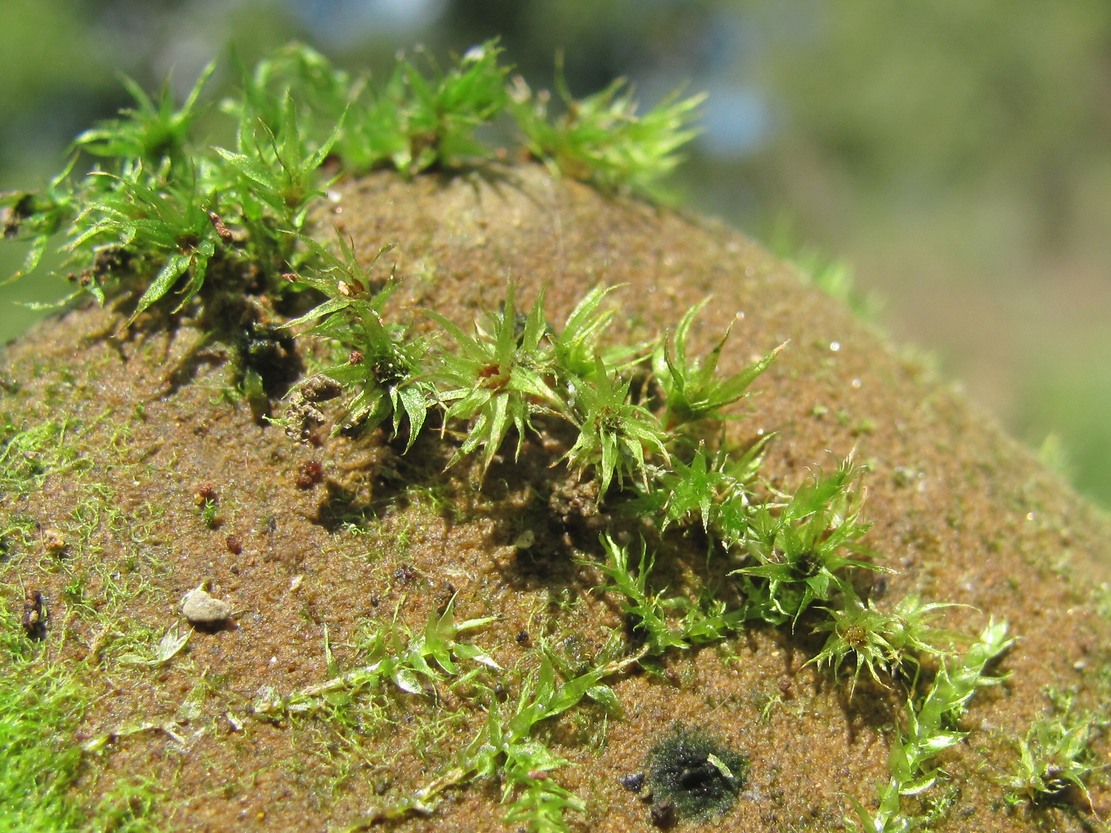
(957, 154)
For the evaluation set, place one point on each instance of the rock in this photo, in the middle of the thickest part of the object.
(53, 541)
(202, 608)
(959, 512)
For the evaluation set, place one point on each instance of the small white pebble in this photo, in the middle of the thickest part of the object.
(201, 608)
(53, 541)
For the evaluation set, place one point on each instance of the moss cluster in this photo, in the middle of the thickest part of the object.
(636, 426)
(164, 200)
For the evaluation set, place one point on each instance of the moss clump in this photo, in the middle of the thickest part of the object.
(357, 581)
(172, 210)
(693, 777)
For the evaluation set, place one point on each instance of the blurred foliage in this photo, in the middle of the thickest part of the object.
(956, 154)
(46, 80)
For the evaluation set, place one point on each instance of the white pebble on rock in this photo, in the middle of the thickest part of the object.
(201, 608)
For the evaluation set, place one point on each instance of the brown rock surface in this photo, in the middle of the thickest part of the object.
(959, 512)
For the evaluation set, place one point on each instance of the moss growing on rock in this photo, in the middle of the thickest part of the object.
(348, 688)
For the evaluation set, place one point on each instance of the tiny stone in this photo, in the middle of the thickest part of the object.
(200, 608)
(663, 814)
(53, 540)
(634, 782)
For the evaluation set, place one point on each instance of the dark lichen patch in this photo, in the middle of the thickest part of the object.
(693, 777)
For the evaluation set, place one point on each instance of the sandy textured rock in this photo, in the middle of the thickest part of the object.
(959, 513)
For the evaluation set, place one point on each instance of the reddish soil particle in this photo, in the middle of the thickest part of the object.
(361, 533)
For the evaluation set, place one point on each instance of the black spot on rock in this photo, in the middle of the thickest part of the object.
(633, 782)
(699, 777)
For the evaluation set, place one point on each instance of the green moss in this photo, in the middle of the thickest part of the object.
(42, 704)
(164, 217)
(39, 712)
(165, 213)
(929, 730)
(30, 453)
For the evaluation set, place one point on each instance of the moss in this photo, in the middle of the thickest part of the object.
(37, 711)
(42, 705)
(447, 529)
(654, 523)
